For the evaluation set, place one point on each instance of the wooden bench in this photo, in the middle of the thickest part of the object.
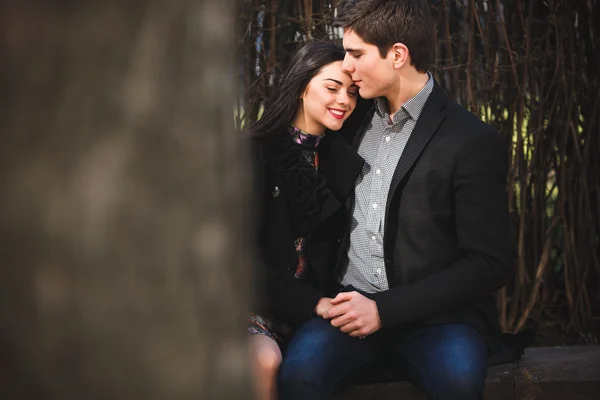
(548, 373)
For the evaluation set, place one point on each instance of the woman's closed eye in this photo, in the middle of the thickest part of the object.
(335, 90)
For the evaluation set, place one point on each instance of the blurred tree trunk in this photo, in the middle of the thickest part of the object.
(124, 263)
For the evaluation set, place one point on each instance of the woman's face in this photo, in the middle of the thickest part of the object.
(327, 101)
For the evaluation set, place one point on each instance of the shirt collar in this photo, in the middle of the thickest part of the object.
(412, 108)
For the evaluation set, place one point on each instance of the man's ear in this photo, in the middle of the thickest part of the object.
(400, 55)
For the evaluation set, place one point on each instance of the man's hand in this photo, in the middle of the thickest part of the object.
(323, 305)
(354, 314)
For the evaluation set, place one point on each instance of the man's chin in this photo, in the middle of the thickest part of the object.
(365, 94)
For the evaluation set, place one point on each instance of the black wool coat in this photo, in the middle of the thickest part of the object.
(295, 201)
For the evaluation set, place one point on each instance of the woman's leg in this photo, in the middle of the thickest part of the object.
(265, 356)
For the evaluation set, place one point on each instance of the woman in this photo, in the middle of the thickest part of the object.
(305, 173)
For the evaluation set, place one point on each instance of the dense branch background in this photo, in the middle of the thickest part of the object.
(529, 68)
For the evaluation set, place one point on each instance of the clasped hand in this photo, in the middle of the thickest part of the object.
(351, 312)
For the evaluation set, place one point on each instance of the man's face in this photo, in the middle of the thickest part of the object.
(373, 75)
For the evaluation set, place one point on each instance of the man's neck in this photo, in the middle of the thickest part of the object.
(408, 86)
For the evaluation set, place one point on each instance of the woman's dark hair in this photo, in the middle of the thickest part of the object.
(282, 106)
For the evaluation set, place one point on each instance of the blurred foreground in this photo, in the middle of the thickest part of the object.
(124, 259)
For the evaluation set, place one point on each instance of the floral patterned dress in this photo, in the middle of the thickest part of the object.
(265, 324)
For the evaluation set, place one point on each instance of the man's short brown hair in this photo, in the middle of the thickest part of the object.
(385, 22)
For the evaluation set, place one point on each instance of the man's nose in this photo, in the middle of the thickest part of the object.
(347, 64)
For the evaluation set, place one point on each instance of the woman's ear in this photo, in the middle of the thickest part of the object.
(303, 93)
(400, 55)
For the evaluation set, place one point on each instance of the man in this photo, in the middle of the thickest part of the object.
(428, 241)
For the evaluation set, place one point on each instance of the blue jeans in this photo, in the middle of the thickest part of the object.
(444, 361)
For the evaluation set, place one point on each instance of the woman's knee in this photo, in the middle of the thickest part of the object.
(268, 360)
(266, 354)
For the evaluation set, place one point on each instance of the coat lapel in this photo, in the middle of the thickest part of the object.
(340, 164)
(426, 126)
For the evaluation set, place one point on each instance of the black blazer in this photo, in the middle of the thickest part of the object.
(295, 201)
(446, 239)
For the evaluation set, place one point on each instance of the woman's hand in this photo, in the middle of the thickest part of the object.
(323, 305)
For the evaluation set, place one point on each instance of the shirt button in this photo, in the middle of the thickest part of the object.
(387, 138)
(375, 206)
(374, 238)
(378, 171)
(378, 270)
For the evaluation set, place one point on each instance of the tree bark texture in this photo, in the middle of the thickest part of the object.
(124, 258)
